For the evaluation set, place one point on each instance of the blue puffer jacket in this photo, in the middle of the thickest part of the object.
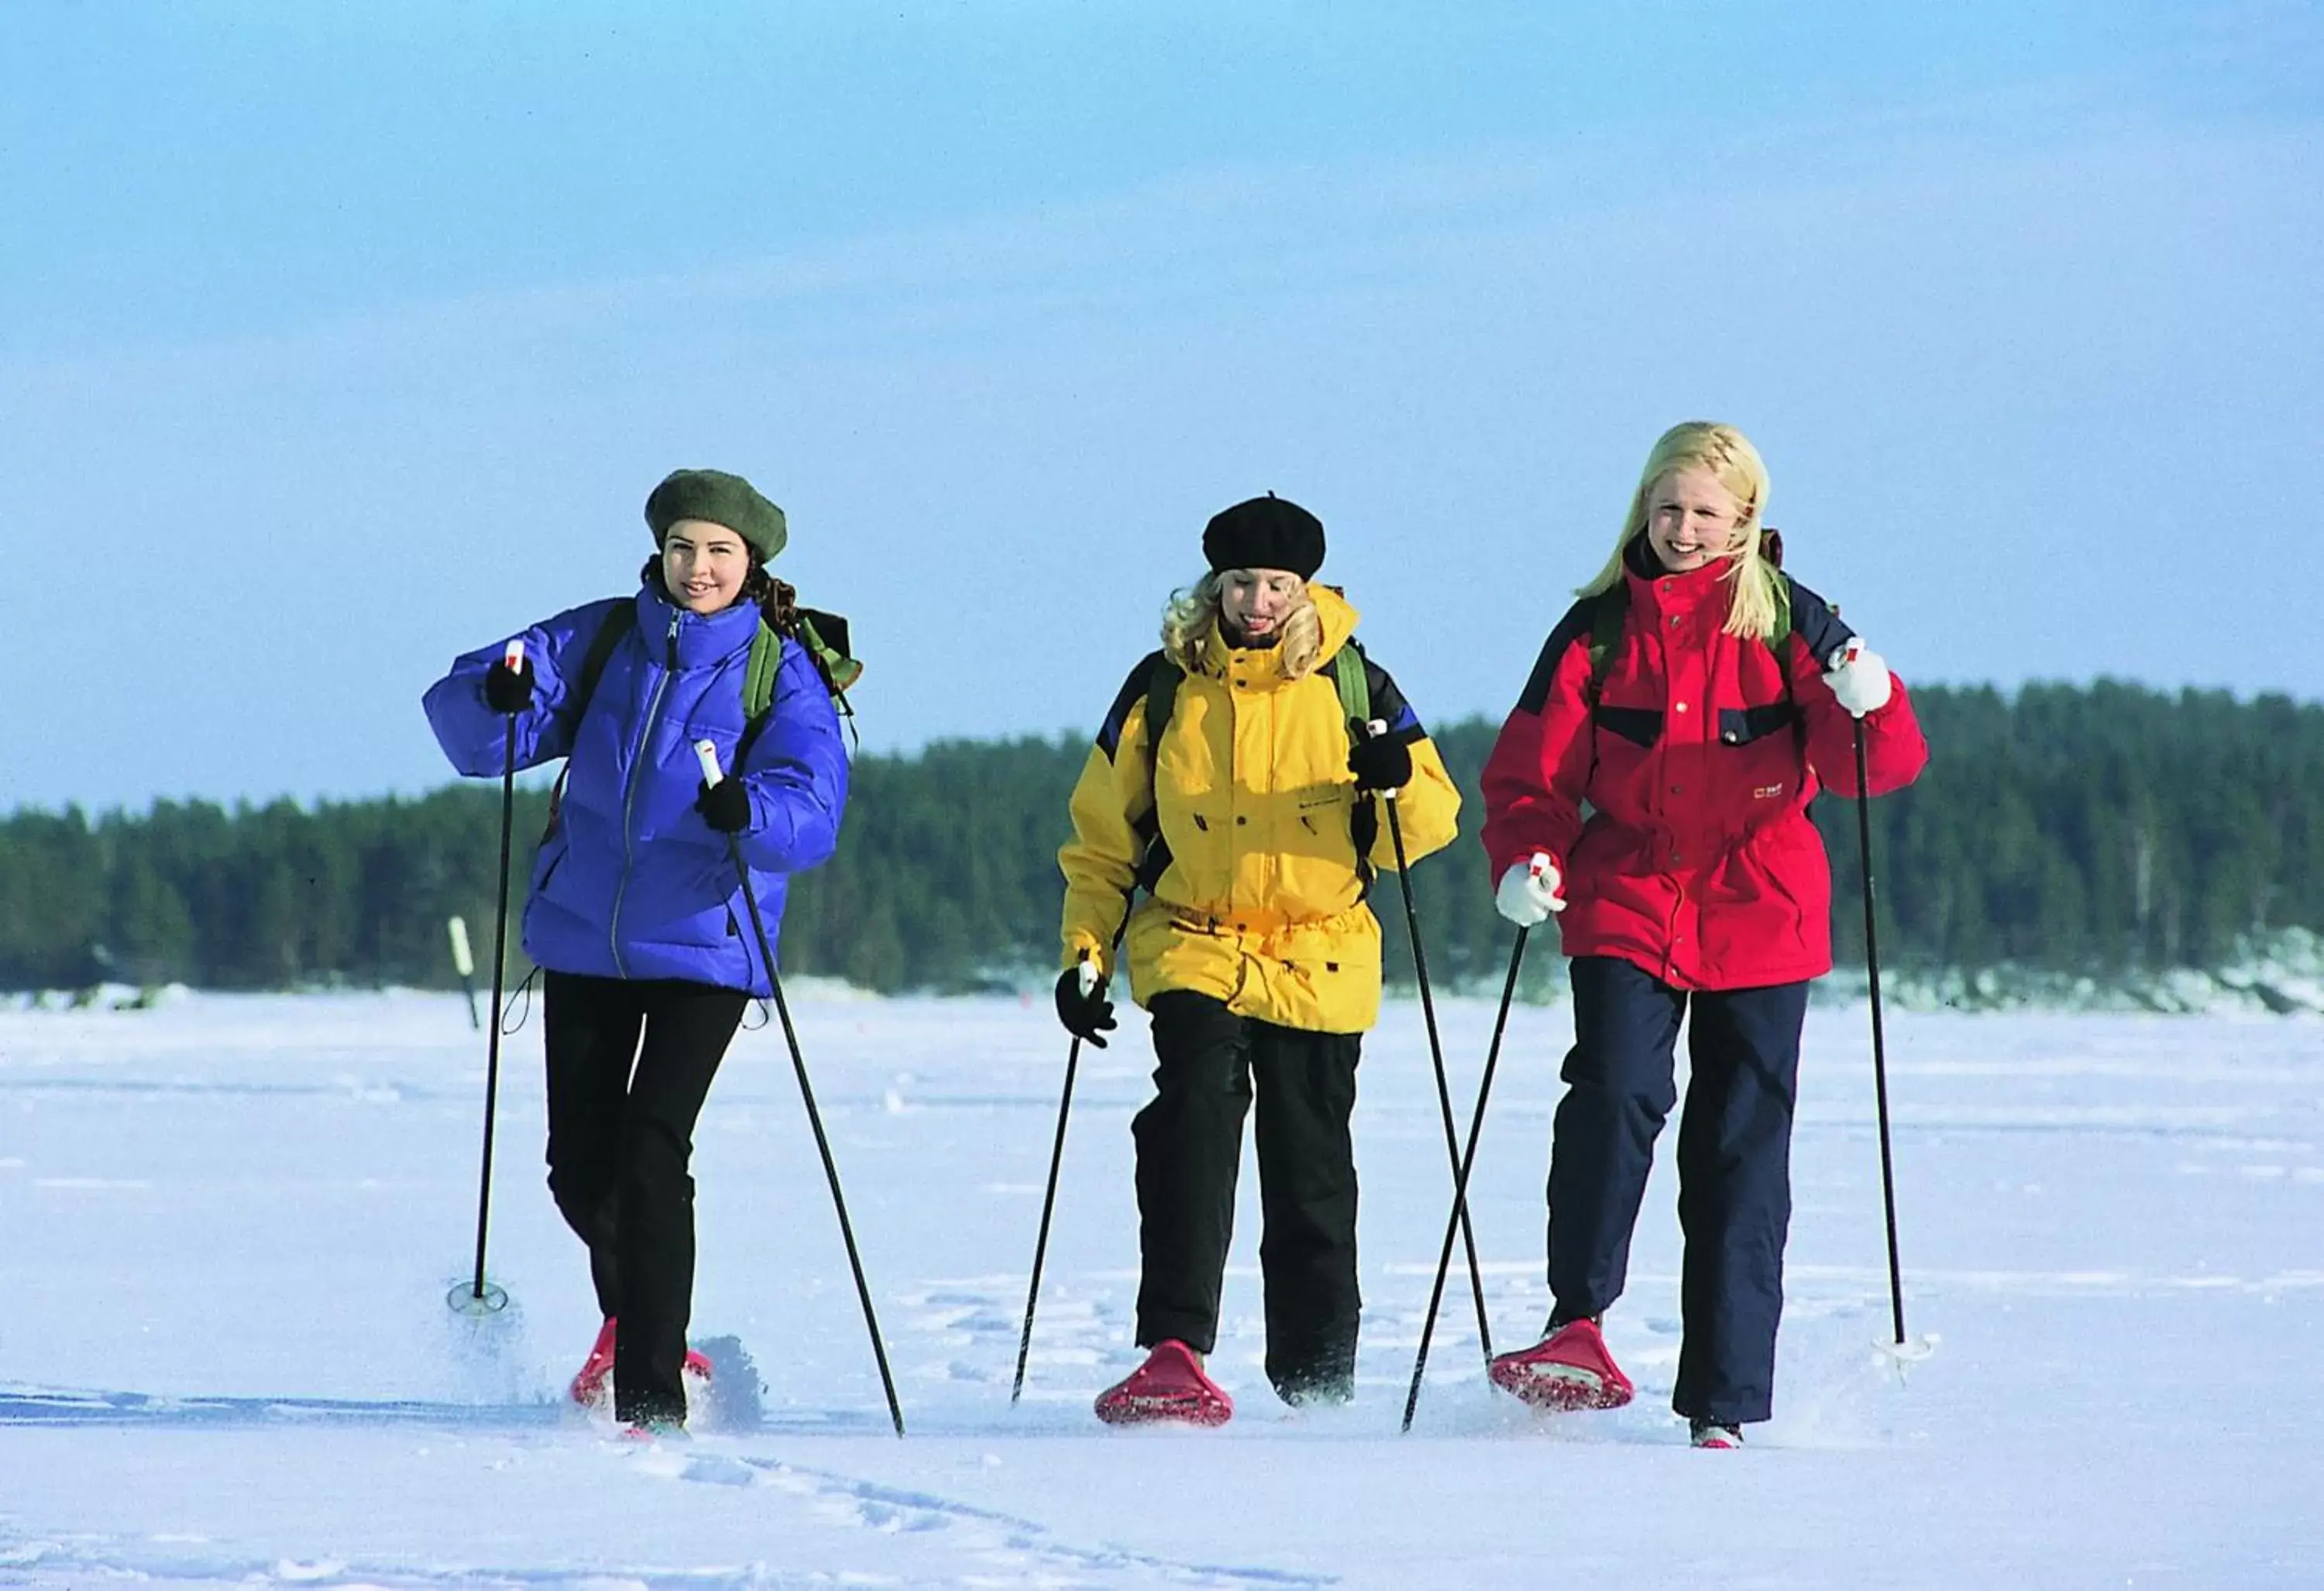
(631, 882)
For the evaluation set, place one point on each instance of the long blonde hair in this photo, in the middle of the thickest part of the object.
(1191, 617)
(1728, 455)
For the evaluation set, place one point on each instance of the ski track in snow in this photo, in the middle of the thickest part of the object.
(224, 1357)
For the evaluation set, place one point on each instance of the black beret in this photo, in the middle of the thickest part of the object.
(722, 500)
(1267, 532)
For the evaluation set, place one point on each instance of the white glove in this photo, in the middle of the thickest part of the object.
(1859, 678)
(1527, 893)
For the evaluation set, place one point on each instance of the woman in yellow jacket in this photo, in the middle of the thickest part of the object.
(1229, 783)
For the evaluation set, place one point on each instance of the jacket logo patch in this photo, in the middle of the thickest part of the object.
(1766, 792)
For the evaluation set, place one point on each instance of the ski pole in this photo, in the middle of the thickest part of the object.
(1461, 1182)
(464, 963)
(1435, 1054)
(1049, 1198)
(1879, 1043)
(479, 1298)
(706, 754)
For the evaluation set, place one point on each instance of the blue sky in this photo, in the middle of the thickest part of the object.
(336, 339)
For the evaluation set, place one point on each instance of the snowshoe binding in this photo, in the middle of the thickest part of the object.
(1566, 1371)
(1170, 1386)
(1711, 1433)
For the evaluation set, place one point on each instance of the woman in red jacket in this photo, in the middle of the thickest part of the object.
(1652, 787)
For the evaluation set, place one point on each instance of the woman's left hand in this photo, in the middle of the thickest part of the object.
(1859, 678)
(726, 806)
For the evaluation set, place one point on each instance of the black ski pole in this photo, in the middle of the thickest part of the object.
(478, 1299)
(1461, 1182)
(1880, 1042)
(1436, 1054)
(707, 755)
(1049, 1198)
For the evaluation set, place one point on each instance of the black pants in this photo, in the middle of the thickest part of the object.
(1189, 1151)
(1734, 1167)
(620, 1132)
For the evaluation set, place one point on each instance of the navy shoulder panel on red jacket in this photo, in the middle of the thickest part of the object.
(1574, 627)
(1817, 623)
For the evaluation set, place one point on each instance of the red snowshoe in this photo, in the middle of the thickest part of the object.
(1569, 1369)
(595, 1382)
(1169, 1386)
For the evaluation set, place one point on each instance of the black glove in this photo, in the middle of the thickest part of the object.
(1383, 762)
(1085, 1015)
(508, 690)
(726, 806)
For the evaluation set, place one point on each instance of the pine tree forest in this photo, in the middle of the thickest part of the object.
(2094, 830)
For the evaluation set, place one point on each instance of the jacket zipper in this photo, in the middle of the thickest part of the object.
(630, 800)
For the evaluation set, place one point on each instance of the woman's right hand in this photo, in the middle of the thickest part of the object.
(1527, 893)
(1082, 1005)
(509, 690)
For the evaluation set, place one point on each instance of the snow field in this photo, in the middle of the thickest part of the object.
(227, 1224)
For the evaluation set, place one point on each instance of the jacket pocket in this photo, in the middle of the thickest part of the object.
(1739, 726)
(1641, 726)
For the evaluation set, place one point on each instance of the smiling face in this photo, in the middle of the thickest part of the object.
(1691, 519)
(704, 564)
(1256, 601)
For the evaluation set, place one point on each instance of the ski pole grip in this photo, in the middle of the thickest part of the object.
(463, 960)
(1373, 732)
(512, 656)
(706, 754)
(1845, 653)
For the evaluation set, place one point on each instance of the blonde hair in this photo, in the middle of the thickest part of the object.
(1191, 617)
(1752, 603)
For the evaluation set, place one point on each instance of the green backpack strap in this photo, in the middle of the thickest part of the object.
(1353, 681)
(1355, 686)
(832, 661)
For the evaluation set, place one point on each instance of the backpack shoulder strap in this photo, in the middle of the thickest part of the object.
(618, 624)
(759, 671)
(1163, 678)
(1607, 609)
(1354, 679)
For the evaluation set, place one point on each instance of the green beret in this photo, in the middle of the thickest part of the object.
(722, 500)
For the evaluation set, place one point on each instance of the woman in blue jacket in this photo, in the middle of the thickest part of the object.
(635, 913)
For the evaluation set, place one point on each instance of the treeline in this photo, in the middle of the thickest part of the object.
(2081, 830)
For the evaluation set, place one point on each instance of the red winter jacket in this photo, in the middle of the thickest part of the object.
(1697, 862)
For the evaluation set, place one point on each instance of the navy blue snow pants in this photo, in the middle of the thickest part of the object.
(1734, 1167)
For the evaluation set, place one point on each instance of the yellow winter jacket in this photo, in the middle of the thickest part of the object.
(1262, 905)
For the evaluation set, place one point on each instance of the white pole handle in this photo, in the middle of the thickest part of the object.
(513, 655)
(706, 754)
(464, 961)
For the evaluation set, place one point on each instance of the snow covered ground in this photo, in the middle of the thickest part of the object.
(228, 1225)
